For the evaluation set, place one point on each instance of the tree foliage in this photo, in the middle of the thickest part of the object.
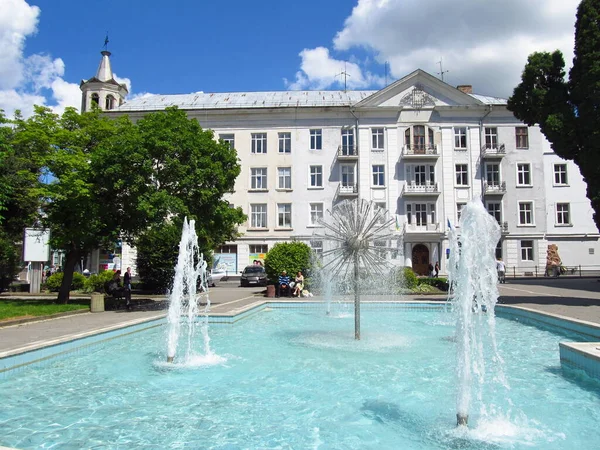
(113, 179)
(568, 111)
(157, 251)
(288, 256)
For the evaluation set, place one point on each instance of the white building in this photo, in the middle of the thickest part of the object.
(419, 147)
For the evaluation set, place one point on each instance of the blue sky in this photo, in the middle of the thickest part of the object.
(48, 46)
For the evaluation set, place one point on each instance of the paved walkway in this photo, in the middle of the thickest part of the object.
(574, 298)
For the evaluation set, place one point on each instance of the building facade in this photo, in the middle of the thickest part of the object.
(419, 148)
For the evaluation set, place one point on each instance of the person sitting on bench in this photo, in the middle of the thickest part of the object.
(115, 289)
(282, 288)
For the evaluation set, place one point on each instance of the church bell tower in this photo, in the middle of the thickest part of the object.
(102, 90)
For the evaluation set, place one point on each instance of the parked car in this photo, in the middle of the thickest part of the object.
(215, 276)
(254, 276)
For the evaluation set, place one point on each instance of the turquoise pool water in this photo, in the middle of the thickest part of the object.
(295, 378)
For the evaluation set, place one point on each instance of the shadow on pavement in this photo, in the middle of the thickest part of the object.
(579, 284)
(543, 300)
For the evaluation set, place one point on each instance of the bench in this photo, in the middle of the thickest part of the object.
(117, 296)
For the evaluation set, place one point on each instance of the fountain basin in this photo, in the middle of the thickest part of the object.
(296, 377)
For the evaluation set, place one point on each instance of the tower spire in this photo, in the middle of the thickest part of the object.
(104, 72)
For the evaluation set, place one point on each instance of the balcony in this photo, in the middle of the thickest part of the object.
(429, 228)
(347, 190)
(494, 189)
(411, 188)
(420, 152)
(493, 151)
(347, 152)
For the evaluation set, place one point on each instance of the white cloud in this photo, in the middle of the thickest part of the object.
(482, 43)
(29, 80)
(319, 71)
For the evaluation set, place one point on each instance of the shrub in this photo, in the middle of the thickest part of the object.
(54, 282)
(439, 283)
(95, 283)
(408, 279)
(288, 256)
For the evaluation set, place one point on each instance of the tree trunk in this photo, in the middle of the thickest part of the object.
(65, 288)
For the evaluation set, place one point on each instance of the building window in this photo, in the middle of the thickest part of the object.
(495, 210)
(347, 141)
(420, 214)
(259, 142)
(378, 175)
(562, 214)
(492, 174)
(526, 250)
(491, 137)
(284, 178)
(419, 138)
(110, 102)
(229, 138)
(560, 175)
(459, 208)
(95, 100)
(258, 248)
(284, 215)
(347, 176)
(421, 175)
(377, 139)
(525, 213)
(409, 213)
(317, 247)
(258, 216)
(523, 174)
(462, 175)
(258, 178)
(316, 213)
(285, 142)
(316, 176)
(522, 136)
(460, 138)
(316, 139)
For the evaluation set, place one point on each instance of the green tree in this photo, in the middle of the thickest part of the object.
(288, 256)
(191, 173)
(99, 191)
(568, 112)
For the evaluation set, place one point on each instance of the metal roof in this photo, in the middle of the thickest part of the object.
(227, 100)
(490, 100)
(275, 99)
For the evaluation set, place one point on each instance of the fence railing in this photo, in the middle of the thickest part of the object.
(550, 272)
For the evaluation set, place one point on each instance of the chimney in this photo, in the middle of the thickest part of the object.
(466, 88)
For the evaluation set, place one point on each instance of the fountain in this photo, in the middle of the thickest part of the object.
(358, 248)
(473, 280)
(190, 275)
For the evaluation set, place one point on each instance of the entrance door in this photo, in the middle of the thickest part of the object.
(420, 259)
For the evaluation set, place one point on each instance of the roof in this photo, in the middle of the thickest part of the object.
(490, 100)
(226, 100)
(274, 99)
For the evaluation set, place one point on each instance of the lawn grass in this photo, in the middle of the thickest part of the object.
(13, 309)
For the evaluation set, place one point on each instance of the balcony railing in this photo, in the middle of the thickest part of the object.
(493, 151)
(494, 189)
(420, 151)
(347, 190)
(347, 152)
(428, 188)
(422, 228)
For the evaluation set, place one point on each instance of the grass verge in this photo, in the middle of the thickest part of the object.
(18, 309)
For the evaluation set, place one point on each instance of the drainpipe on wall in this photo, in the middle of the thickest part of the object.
(357, 148)
(481, 144)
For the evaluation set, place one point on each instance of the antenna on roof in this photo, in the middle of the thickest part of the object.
(442, 71)
(345, 74)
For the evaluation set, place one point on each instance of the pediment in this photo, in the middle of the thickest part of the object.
(419, 90)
